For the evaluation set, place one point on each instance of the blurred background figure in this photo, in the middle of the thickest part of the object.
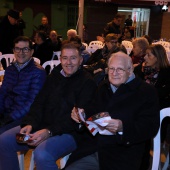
(44, 26)
(139, 50)
(9, 31)
(128, 21)
(114, 26)
(85, 34)
(84, 53)
(71, 33)
(54, 41)
(42, 49)
(21, 24)
(127, 34)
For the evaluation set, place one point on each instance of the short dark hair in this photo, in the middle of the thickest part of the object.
(70, 46)
(76, 38)
(25, 39)
(118, 16)
(42, 34)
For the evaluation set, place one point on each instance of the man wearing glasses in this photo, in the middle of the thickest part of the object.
(22, 81)
(134, 110)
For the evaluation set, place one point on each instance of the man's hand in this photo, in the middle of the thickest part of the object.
(114, 125)
(26, 129)
(75, 115)
(38, 137)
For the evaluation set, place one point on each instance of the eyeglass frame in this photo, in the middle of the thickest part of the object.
(118, 70)
(22, 49)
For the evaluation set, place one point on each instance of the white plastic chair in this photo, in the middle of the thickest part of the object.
(94, 45)
(56, 53)
(32, 164)
(128, 45)
(8, 57)
(157, 144)
(37, 60)
(51, 63)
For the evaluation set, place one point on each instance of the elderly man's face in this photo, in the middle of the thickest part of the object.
(70, 61)
(118, 71)
(22, 52)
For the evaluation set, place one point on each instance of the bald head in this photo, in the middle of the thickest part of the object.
(120, 68)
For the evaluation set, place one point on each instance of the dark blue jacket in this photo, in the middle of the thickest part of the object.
(19, 89)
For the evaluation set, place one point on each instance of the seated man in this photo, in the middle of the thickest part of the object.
(22, 81)
(54, 41)
(134, 110)
(42, 49)
(49, 123)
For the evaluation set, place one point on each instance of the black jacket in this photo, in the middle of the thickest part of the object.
(8, 33)
(136, 105)
(53, 105)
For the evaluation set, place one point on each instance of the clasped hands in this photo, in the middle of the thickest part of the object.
(114, 125)
(37, 137)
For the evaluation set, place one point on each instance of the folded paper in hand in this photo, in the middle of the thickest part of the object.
(96, 123)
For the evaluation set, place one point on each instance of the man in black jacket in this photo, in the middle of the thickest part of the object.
(48, 123)
(114, 26)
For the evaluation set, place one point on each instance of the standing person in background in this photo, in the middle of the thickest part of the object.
(128, 21)
(8, 31)
(44, 26)
(71, 33)
(114, 26)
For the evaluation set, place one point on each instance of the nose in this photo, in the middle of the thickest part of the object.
(68, 61)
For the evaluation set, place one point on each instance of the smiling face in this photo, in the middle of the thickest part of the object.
(118, 71)
(70, 61)
(150, 59)
(22, 57)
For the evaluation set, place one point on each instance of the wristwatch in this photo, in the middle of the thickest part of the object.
(50, 133)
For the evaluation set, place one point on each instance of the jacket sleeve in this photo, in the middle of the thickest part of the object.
(21, 109)
(144, 123)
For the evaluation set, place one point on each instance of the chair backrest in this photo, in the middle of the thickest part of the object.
(56, 54)
(98, 44)
(36, 60)
(128, 45)
(8, 57)
(165, 44)
(157, 140)
(51, 63)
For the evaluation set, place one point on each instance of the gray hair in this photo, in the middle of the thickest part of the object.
(123, 57)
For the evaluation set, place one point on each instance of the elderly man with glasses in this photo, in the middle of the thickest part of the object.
(22, 81)
(134, 115)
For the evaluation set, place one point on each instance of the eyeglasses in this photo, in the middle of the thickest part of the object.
(24, 50)
(118, 70)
